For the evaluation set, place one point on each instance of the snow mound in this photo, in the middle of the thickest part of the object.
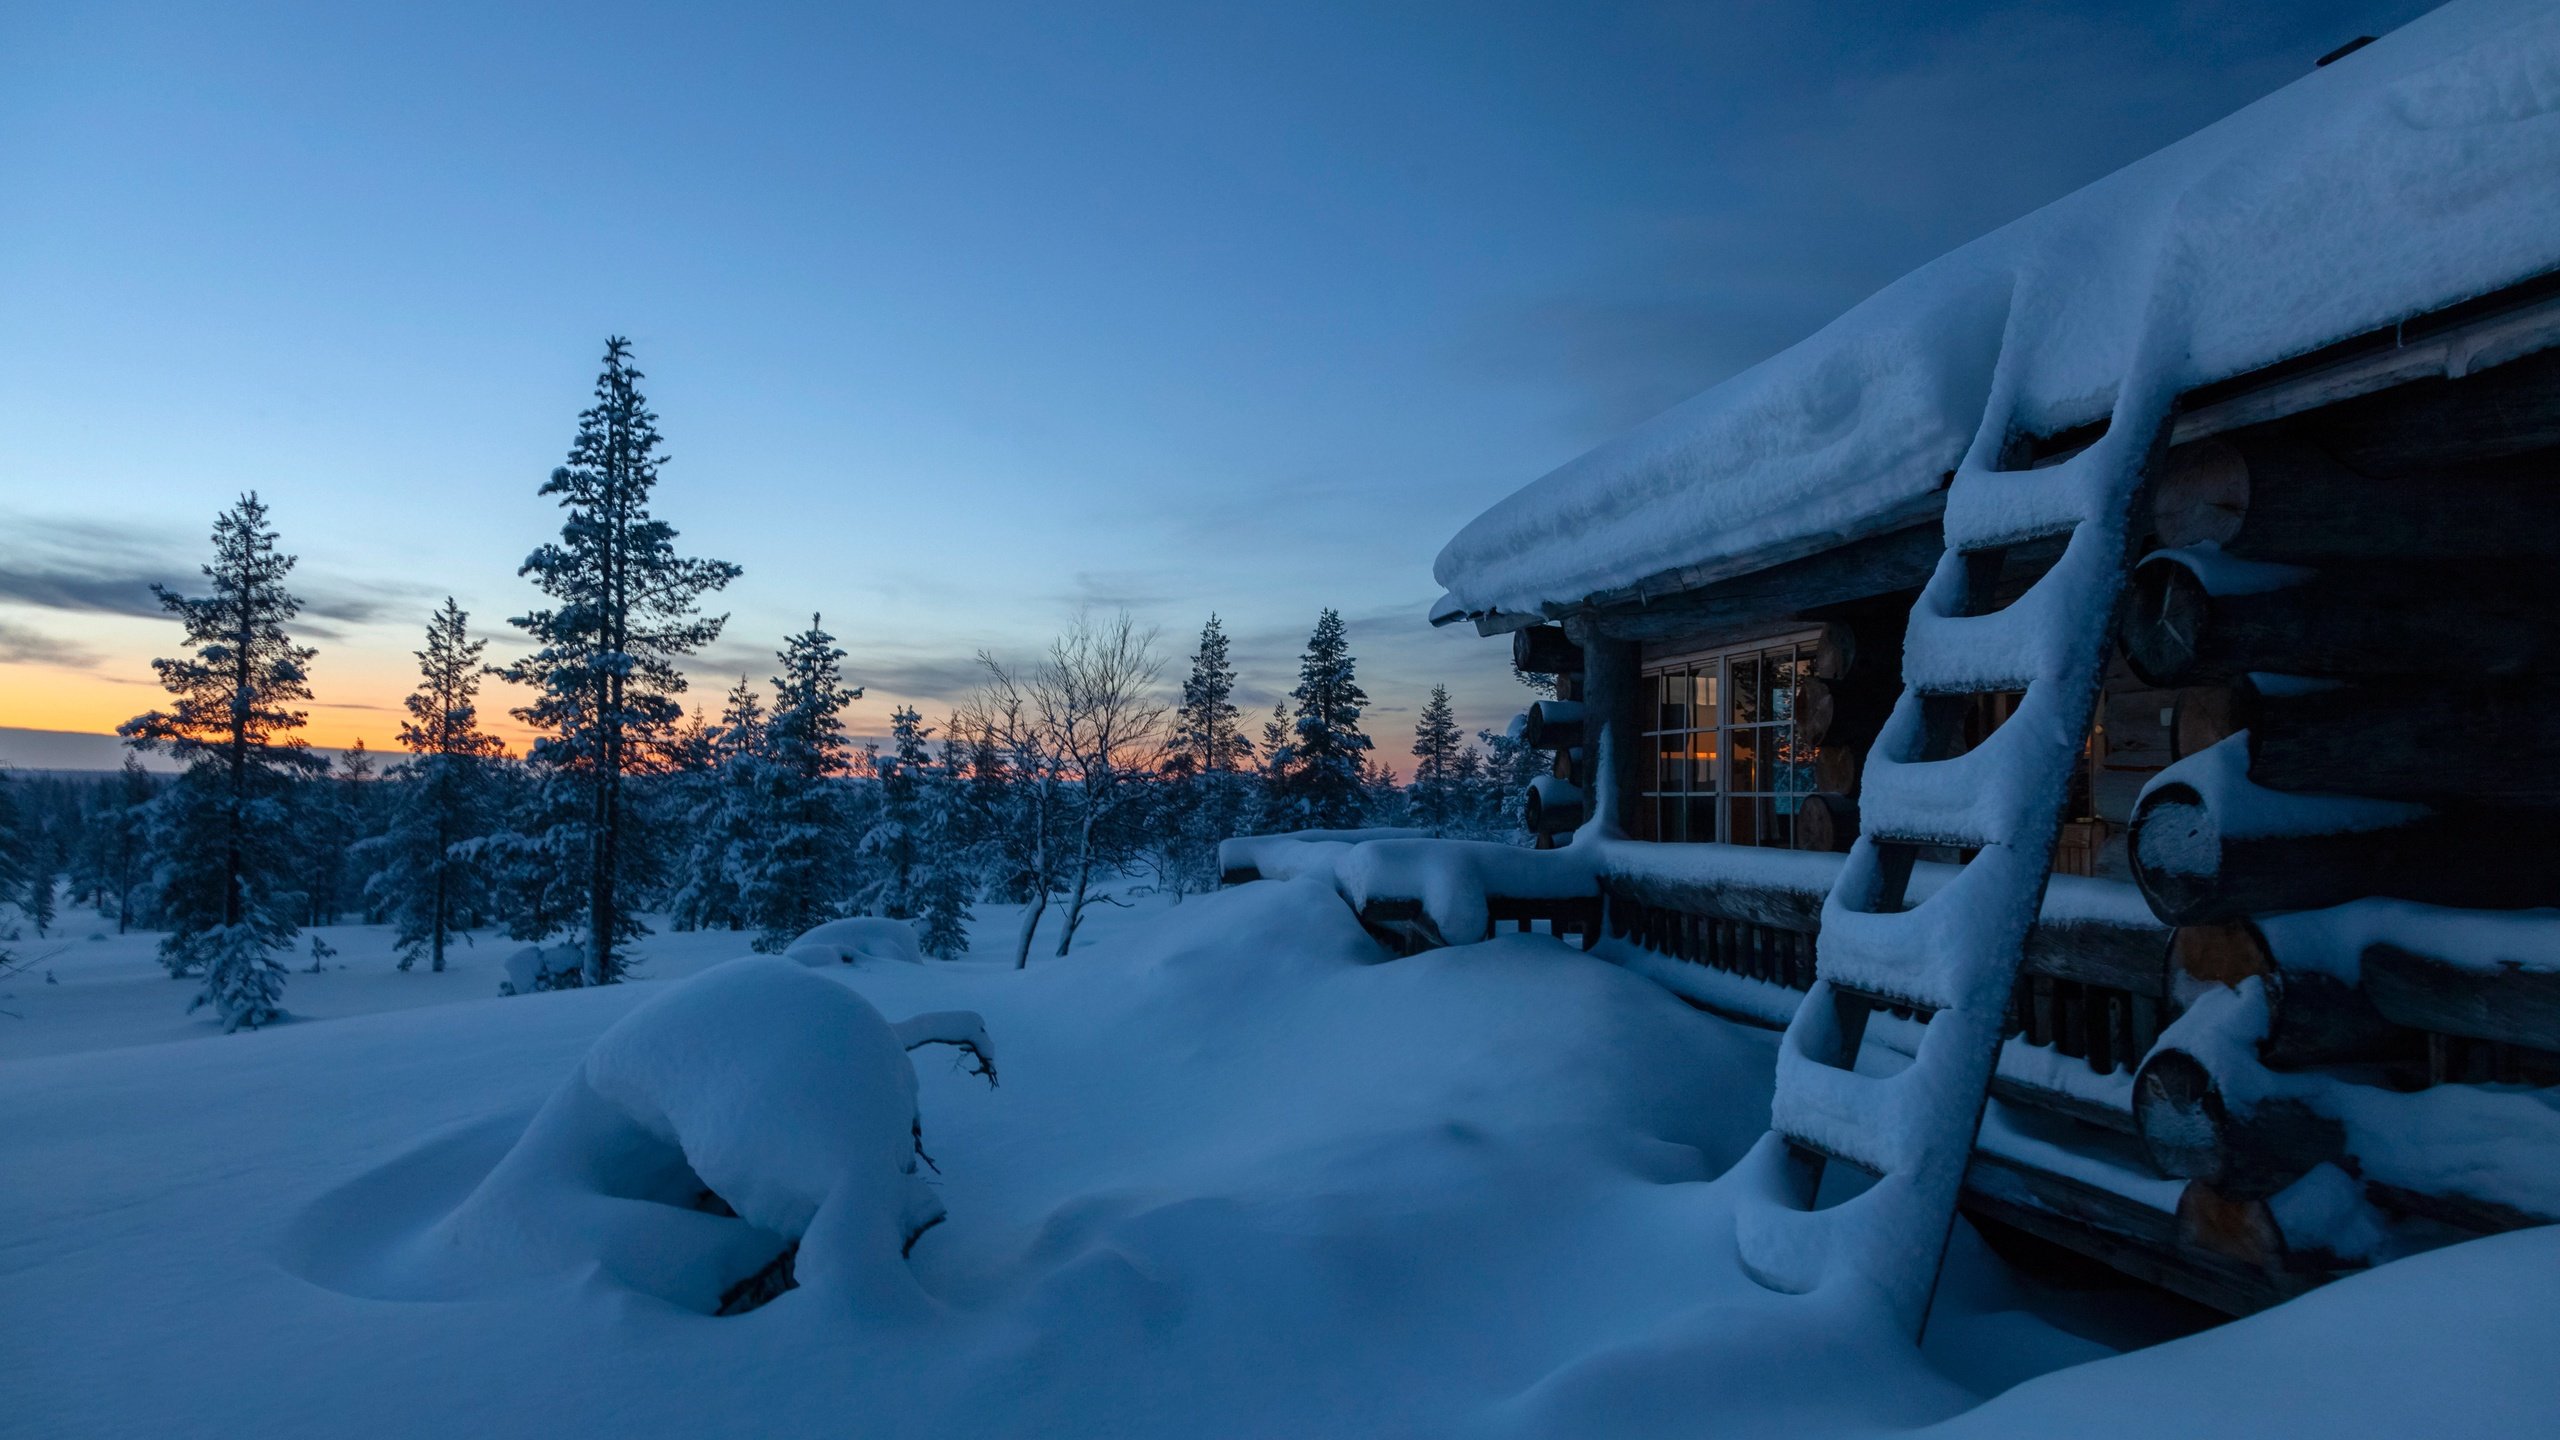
(543, 967)
(850, 942)
(754, 1107)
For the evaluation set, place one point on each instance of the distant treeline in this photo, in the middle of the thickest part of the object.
(1055, 784)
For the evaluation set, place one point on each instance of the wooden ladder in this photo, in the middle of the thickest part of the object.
(1952, 957)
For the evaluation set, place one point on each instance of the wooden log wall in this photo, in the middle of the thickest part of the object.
(2362, 601)
(1555, 726)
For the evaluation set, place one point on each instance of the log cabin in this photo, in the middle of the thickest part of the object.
(2290, 1002)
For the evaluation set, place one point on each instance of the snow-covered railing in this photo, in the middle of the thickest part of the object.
(1733, 928)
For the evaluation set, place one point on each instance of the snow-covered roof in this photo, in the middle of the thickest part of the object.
(2418, 172)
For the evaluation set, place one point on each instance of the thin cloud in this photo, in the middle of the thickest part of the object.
(81, 567)
(20, 645)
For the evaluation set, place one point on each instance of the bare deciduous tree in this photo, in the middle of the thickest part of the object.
(1110, 726)
(1077, 735)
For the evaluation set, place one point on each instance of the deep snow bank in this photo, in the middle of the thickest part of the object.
(1244, 1177)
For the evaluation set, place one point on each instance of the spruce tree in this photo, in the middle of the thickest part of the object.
(127, 838)
(1438, 745)
(949, 848)
(444, 796)
(16, 859)
(40, 887)
(721, 824)
(226, 842)
(797, 869)
(1206, 737)
(1322, 770)
(627, 608)
(1207, 797)
(892, 850)
(1504, 775)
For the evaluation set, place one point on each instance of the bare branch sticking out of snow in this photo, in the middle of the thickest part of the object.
(960, 1029)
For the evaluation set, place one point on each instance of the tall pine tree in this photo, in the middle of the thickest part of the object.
(949, 848)
(798, 866)
(1206, 736)
(1322, 770)
(1439, 748)
(225, 827)
(893, 849)
(627, 608)
(444, 796)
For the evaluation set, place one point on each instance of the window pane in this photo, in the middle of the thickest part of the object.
(1741, 815)
(1783, 675)
(1702, 697)
(1702, 817)
(1745, 679)
(1746, 772)
(1702, 760)
(1666, 822)
(1673, 767)
(1672, 694)
(1776, 828)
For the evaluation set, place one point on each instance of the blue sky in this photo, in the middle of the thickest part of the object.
(958, 317)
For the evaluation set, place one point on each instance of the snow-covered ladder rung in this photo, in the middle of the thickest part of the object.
(1958, 951)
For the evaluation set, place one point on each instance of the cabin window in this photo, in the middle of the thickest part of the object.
(1722, 758)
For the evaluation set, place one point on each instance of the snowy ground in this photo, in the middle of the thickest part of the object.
(1241, 1178)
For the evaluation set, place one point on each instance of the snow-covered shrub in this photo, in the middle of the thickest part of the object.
(544, 967)
(849, 942)
(750, 1131)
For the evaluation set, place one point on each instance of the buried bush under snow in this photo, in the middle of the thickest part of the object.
(751, 1110)
(848, 942)
(544, 967)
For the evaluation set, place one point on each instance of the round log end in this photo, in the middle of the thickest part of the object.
(1826, 822)
(1816, 707)
(1835, 769)
(2202, 496)
(1544, 650)
(2222, 954)
(2166, 615)
(2176, 853)
(2180, 1116)
(2244, 1230)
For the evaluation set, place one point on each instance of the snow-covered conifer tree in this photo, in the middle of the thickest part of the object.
(1206, 736)
(627, 608)
(893, 849)
(124, 838)
(1437, 746)
(42, 878)
(1209, 794)
(720, 826)
(443, 796)
(1322, 768)
(949, 854)
(798, 863)
(224, 835)
(1502, 786)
